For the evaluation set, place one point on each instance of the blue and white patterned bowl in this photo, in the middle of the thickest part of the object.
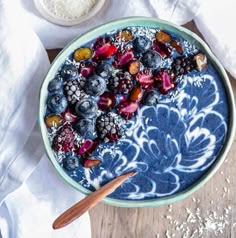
(185, 138)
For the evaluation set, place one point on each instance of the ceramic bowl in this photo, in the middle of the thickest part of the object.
(184, 168)
(67, 22)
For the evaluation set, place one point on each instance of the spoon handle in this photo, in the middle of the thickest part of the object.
(90, 201)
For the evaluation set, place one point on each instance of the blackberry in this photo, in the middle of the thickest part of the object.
(121, 83)
(73, 91)
(183, 65)
(108, 128)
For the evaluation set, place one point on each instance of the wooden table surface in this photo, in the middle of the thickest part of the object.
(209, 212)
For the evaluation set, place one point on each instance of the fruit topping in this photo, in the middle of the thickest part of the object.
(56, 84)
(163, 37)
(70, 162)
(86, 69)
(182, 65)
(145, 79)
(151, 59)
(73, 91)
(125, 35)
(57, 103)
(95, 85)
(53, 120)
(91, 162)
(164, 82)
(124, 57)
(151, 98)
(86, 108)
(87, 147)
(162, 49)
(85, 127)
(69, 72)
(68, 116)
(201, 61)
(121, 82)
(108, 127)
(127, 109)
(107, 101)
(64, 140)
(136, 94)
(177, 46)
(82, 54)
(105, 51)
(104, 69)
(142, 44)
(134, 67)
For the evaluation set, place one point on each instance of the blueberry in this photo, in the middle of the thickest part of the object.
(151, 59)
(55, 84)
(57, 103)
(142, 44)
(104, 70)
(151, 98)
(85, 127)
(69, 72)
(86, 108)
(70, 162)
(95, 85)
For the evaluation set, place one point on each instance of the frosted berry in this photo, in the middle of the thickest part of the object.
(107, 101)
(84, 126)
(86, 108)
(70, 162)
(104, 69)
(95, 85)
(164, 82)
(127, 109)
(121, 83)
(87, 147)
(142, 44)
(183, 65)
(145, 79)
(73, 91)
(57, 103)
(151, 59)
(56, 84)
(151, 98)
(64, 140)
(108, 127)
(69, 72)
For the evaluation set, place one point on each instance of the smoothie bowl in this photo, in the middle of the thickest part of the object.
(137, 94)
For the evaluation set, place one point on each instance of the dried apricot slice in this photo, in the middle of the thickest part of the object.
(82, 54)
(53, 121)
(177, 46)
(163, 37)
(125, 35)
(134, 67)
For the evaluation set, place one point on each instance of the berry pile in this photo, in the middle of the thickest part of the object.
(101, 86)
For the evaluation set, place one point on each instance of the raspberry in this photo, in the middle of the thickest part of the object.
(64, 140)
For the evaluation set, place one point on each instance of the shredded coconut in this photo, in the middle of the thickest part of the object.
(68, 9)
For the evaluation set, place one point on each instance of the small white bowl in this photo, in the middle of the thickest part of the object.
(67, 22)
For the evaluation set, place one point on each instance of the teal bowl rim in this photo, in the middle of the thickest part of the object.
(118, 24)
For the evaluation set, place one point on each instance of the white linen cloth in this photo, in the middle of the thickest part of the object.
(29, 210)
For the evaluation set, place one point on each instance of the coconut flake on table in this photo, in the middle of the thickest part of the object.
(68, 9)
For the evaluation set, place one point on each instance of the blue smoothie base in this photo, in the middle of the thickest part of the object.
(171, 146)
(169, 165)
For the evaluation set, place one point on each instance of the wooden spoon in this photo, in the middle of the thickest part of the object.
(88, 202)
